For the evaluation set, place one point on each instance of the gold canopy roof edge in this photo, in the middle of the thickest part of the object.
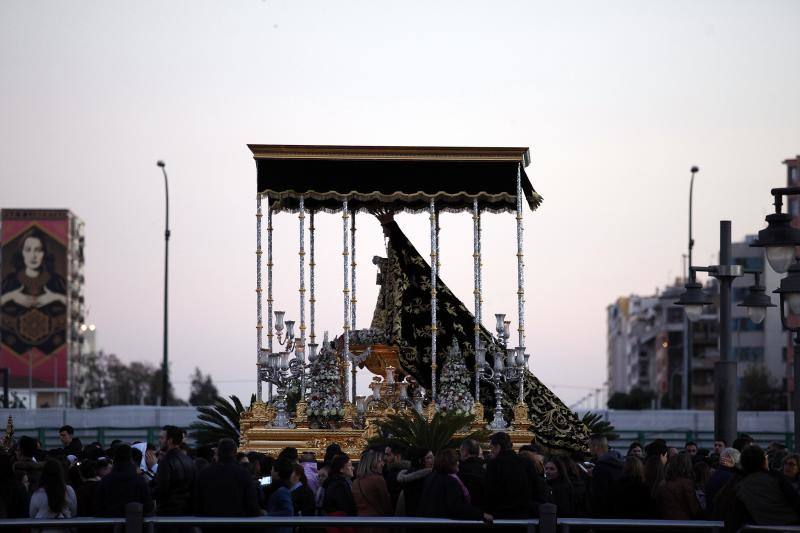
(391, 153)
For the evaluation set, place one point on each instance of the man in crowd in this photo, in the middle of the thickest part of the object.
(768, 496)
(728, 462)
(393, 465)
(510, 482)
(691, 448)
(225, 488)
(121, 486)
(472, 473)
(72, 444)
(175, 477)
(607, 469)
(719, 445)
(27, 464)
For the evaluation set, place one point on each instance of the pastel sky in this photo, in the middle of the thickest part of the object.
(617, 100)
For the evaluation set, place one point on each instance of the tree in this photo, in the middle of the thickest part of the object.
(597, 426)
(203, 391)
(104, 379)
(219, 421)
(412, 430)
(758, 391)
(636, 400)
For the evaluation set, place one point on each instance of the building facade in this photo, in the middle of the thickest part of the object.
(41, 303)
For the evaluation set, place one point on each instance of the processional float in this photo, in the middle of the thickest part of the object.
(428, 352)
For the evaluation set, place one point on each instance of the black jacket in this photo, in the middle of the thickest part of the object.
(338, 496)
(630, 498)
(512, 490)
(769, 498)
(73, 448)
(119, 488)
(13, 498)
(303, 501)
(443, 497)
(607, 469)
(718, 479)
(174, 484)
(473, 475)
(390, 475)
(225, 489)
(412, 483)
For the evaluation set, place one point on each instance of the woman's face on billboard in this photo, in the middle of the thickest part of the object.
(33, 253)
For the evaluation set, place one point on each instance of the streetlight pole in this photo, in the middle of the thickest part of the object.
(165, 362)
(693, 300)
(687, 324)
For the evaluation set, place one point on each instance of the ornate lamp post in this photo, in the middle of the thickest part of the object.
(509, 365)
(780, 240)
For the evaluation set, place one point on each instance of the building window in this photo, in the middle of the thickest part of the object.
(754, 263)
(749, 354)
(740, 293)
(745, 324)
(674, 315)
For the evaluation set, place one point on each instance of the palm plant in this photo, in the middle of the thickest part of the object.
(218, 421)
(597, 426)
(412, 430)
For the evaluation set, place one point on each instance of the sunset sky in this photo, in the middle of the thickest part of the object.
(617, 100)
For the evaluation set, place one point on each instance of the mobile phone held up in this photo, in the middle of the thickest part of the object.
(266, 480)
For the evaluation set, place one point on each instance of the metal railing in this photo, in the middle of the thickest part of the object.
(135, 522)
(566, 525)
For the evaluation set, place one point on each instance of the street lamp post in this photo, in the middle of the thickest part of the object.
(693, 300)
(780, 240)
(165, 362)
(687, 324)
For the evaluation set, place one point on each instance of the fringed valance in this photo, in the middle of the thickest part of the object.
(399, 178)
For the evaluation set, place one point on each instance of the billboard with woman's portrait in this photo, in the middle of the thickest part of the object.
(33, 296)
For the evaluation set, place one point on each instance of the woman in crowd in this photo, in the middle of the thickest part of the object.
(54, 498)
(412, 481)
(302, 495)
(338, 499)
(654, 472)
(369, 489)
(630, 494)
(636, 450)
(676, 496)
(13, 494)
(444, 495)
(555, 471)
(702, 473)
(791, 469)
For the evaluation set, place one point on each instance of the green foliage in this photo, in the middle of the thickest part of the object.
(637, 400)
(414, 431)
(758, 391)
(203, 391)
(106, 380)
(597, 426)
(218, 421)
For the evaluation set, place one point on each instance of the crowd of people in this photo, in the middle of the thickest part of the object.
(739, 484)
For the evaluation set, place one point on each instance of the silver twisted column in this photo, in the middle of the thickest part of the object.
(520, 278)
(434, 274)
(269, 286)
(476, 256)
(259, 326)
(302, 253)
(346, 294)
(353, 296)
(311, 264)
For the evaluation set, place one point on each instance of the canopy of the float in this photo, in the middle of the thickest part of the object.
(402, 178)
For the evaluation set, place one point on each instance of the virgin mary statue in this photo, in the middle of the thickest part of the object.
(403, 313)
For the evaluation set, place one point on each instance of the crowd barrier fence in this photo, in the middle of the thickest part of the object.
(136, 522)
